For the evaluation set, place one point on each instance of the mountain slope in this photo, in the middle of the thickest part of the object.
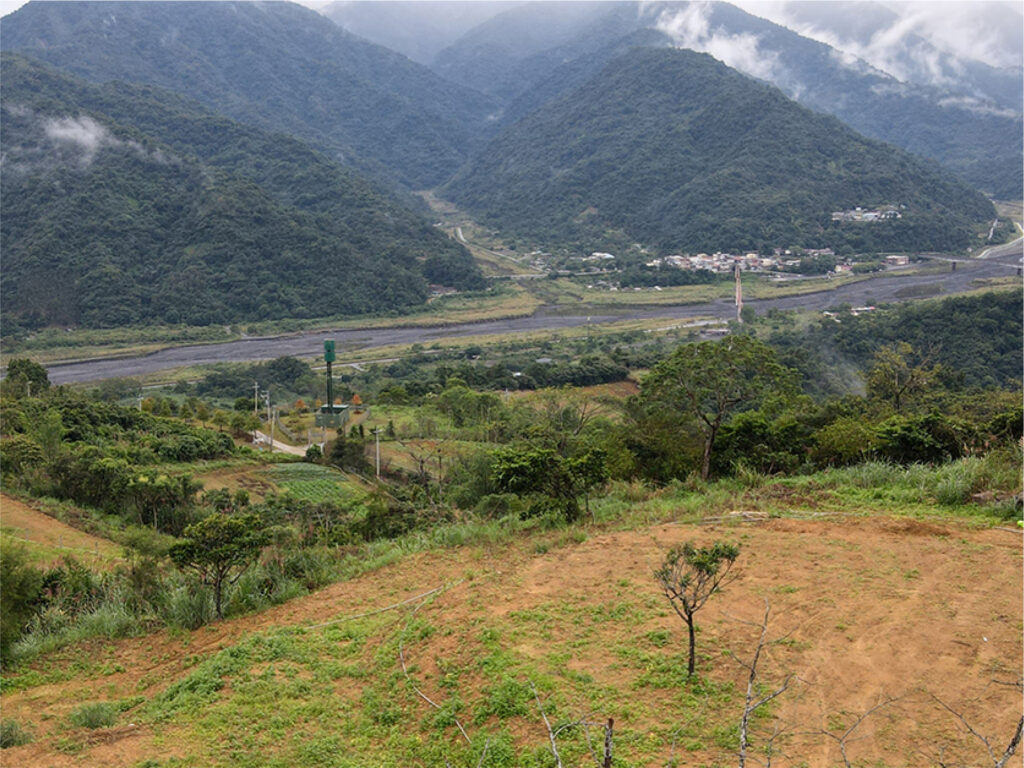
(675, 150)
(415, 28)
(276, 65)
(976, 137)
(125, 204)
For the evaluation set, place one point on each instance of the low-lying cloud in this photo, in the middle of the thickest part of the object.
(691, 28)
(81, 132)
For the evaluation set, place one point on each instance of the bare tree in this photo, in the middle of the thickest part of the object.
(1002, 760)
(752, 702)
(843, 738)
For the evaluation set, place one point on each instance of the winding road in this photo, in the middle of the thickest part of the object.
(1002, 261)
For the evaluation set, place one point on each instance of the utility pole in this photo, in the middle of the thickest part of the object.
(255, 397)
(376, 434)
(739, 295)
(270, 419)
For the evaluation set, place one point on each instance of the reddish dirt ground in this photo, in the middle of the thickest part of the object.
(868, 608)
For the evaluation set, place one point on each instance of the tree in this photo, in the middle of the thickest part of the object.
(709, 380)
(690, 575)
(895, 376)
(22, 585)
(540, 472)
(25, 377)
(220, 548)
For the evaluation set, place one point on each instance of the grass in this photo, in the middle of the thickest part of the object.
(313, 483)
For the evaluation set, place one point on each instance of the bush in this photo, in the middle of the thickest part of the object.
(12, 734)
(100, 714)
(19, 597)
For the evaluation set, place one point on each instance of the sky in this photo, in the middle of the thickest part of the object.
(948, 21)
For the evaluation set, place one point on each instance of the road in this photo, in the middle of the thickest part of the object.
(1001, 262)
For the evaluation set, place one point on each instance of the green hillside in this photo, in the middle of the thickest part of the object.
(674, 150)
(126, 204)
(276, 65)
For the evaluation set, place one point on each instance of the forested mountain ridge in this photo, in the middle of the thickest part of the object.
(127, 204)
(677, 151)
(976, 137)
(276, 65)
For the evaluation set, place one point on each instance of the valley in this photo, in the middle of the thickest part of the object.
(511, 385)
(872, 290)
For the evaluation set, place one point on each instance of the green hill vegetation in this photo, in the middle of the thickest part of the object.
(505, 560)
(278, 66)
(130, 205)
(676, 151)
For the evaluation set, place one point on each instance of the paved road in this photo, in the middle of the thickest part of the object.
(876, 291)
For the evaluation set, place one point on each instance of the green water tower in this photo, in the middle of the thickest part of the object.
(331, 415)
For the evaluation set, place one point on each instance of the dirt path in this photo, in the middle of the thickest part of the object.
(867, 607)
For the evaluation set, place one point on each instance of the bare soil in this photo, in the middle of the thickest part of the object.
(863, 608)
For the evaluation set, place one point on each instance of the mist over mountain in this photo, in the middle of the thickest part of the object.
(976, 134)
(275, 65)
(672, 149)
(129, 204)
(415, 28)
(976, 49)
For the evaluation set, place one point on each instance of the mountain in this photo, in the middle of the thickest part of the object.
(415, 28)
(124, 204)
(275, 65)
(673, 149)
(981, 59)
(976, 136)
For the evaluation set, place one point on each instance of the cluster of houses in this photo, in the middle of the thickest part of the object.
(748, 262)
(886, 212)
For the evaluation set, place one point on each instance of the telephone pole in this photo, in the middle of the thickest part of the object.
(739, 295)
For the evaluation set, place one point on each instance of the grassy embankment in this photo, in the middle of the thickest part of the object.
(883, 582)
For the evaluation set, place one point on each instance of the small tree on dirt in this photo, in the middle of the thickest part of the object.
(220, 548)
(690, 575)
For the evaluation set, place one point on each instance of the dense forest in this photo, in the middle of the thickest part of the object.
(121, 201)
(278, 66)
(680, 152)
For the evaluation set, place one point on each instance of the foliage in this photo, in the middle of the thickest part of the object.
(24, 377)
(22, 587)
(709, 380)
(98, 714)
(12, 734)
(220, 548)
(689, 576)
(250, 225)
(895, 376)
(554, 482)
(674, 150)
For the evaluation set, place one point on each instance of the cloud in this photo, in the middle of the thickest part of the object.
(691, 28)
(920, 42)
(84, 133)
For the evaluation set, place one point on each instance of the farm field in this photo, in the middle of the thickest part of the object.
(863, 608)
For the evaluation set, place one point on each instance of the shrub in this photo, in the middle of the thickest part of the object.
(19, 597)
(12, 734)
(99, 714)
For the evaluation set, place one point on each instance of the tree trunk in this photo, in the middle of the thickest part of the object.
(705, 468)
(693, 646)
(217, 588)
